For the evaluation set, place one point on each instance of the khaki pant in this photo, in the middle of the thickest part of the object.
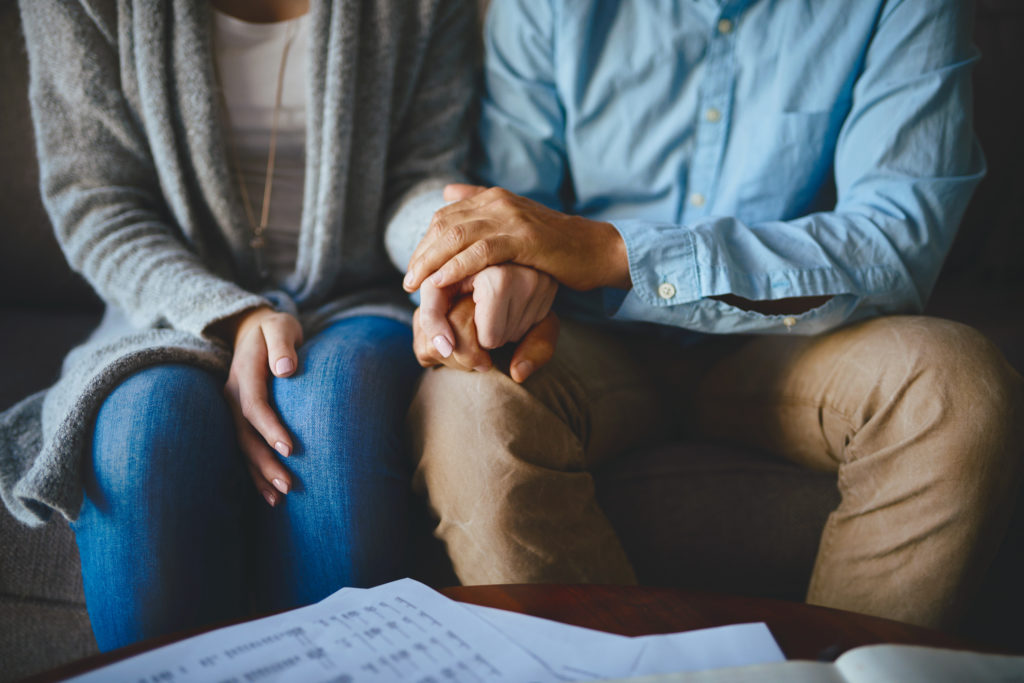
(919, 417)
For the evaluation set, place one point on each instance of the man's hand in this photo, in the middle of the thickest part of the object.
(495, 226)
(535, 350)
(264, 343)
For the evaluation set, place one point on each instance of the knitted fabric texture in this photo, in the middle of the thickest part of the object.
(136, 179)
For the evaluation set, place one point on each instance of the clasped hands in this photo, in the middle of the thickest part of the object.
(488, 269)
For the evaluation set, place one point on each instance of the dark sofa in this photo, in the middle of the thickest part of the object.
(695, 515)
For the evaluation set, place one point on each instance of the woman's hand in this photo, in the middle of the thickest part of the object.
(510, 299)
(465, 353)
(264, 344)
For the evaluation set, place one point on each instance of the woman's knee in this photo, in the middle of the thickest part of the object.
(351, 391)
(354, 358)
(161, 420)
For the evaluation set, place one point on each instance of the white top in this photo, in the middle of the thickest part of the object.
(248, 59)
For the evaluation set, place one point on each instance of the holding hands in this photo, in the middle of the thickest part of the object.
(488, 270)
(456, 325)
(509, 253)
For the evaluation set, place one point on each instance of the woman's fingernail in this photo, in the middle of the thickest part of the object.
(408, 279)
(524, 368)
(443, 346)
(280, 485)
(283, 448)
(436, 278)
(284, 365)
(271, 498)
(482, 368)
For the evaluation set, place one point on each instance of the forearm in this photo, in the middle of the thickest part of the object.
(100, 183)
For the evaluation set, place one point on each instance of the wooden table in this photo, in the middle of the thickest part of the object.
(802, 631)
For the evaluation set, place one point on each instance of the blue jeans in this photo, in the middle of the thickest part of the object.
(172, 533)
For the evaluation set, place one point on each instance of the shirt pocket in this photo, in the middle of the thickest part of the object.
(788, 166)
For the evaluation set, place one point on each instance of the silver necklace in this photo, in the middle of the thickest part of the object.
(258, 241)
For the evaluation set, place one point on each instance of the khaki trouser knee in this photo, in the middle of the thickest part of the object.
(506, 467)
(918, 417)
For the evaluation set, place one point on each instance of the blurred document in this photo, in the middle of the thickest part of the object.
(401, 631)
(405, 631)
(582, 654)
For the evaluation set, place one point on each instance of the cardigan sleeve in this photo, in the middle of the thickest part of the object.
(99, 180)
(430, 146)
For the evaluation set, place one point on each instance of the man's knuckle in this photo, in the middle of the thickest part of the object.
(437, 225)
(507, 204)
(454, 235)
(482, 251)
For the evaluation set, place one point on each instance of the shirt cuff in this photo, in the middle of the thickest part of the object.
(662, 262)
(716, 317)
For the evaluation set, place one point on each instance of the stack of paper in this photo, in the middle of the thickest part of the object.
(404, 631)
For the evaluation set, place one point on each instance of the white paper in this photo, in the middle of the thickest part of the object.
(404, 631)
(584, 654)
(709, 648)
(401, 631)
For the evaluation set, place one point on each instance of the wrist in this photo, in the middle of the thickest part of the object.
(612, 257)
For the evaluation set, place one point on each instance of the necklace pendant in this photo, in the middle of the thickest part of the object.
(257, 242)
(258, 260)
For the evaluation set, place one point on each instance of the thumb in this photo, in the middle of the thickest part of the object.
(456, 192)
(536, 348)
(283, 335)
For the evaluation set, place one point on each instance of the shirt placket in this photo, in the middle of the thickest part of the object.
(714, 114)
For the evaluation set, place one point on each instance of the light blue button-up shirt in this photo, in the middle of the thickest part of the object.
(748, 147)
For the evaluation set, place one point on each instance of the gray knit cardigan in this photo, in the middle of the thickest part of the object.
(136, 179)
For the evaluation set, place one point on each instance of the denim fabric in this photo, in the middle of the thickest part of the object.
(172, 533)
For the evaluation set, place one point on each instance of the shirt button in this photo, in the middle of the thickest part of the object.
(724, 26)
(713, 115)
(789, 321)
(697, 199)
(666, 290)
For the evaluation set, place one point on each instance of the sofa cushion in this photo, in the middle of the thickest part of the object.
(43, 620)
(990, 242)
(39, 563)
(33, 345)
(36, 636)
(32, 267)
